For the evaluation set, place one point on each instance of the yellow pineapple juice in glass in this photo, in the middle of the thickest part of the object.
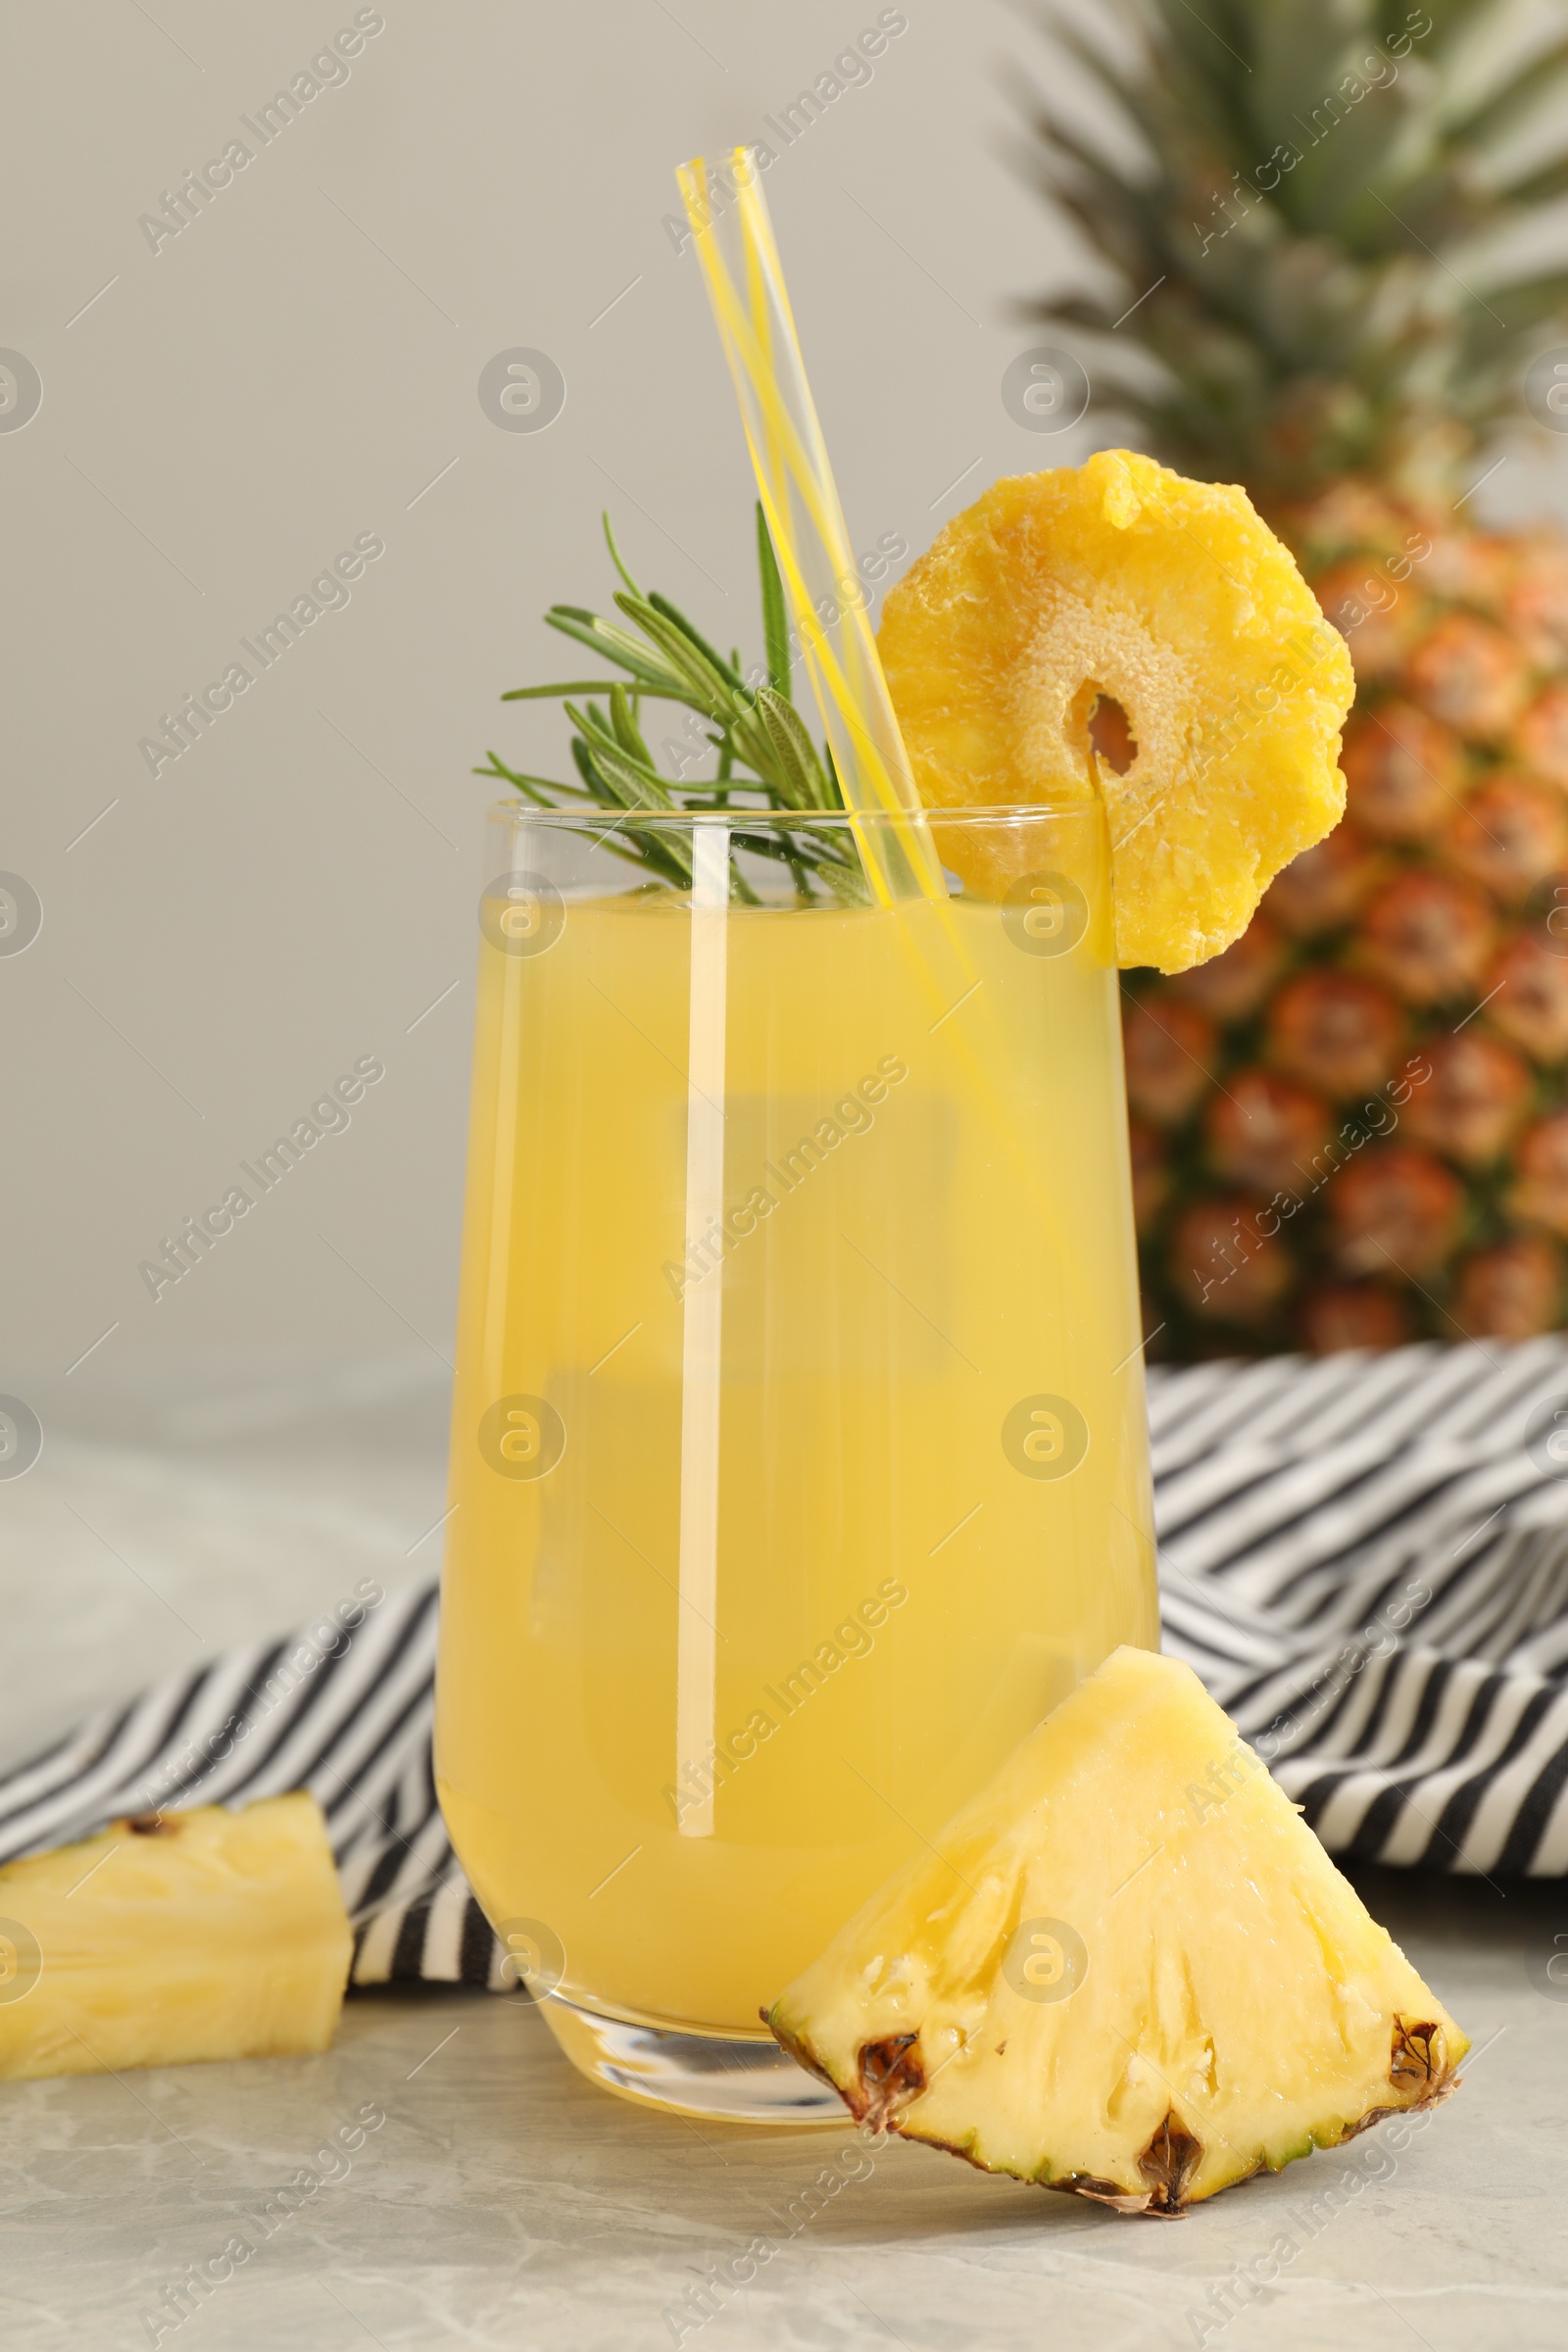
(799, 1454)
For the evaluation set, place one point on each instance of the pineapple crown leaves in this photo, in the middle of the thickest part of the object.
(764, 753)
(1329, 222)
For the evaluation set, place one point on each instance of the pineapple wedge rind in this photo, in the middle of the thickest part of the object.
(1173, 598)
(171, 1937)
(1234, 2008)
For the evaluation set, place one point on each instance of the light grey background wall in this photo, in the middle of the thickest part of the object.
(298, 366)
(224, 412)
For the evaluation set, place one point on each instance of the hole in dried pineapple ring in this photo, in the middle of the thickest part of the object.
(1046, 1961)
(1110, 734)
(1045, 915)
(534, 1954)
(21, 1960)
(1098, 721)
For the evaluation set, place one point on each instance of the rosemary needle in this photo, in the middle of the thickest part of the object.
(764, 757)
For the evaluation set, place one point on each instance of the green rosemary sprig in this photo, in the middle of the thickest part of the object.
(765, 755)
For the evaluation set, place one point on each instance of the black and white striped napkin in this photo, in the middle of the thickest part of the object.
(1365, 1558)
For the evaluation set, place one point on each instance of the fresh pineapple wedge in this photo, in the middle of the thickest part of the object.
(173, 1936)
(1131, 1971)
(1171, 598)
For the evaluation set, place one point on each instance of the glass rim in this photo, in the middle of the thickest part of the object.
(601, 820)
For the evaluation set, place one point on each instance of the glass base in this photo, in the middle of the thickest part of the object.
(724, 2077)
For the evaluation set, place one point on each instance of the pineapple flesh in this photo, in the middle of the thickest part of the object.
(1117, 582)
(173, 1936)
(1129, 1970)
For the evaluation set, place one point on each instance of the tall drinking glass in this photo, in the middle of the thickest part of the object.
(799, 1461)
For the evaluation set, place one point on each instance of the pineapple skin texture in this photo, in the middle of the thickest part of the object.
(211, 1935)
(1239, 2006)
(1339, 1275)
(1174, 599)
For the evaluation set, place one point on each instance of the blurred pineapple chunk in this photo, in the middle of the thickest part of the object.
(173, 1936)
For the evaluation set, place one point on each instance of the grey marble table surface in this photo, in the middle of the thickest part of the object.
(504, 2202)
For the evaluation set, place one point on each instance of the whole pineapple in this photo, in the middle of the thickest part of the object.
(1352, 1128)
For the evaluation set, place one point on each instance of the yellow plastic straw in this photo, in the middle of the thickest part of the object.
(826, 598)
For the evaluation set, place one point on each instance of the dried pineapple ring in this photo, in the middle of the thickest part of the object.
(1172, 598)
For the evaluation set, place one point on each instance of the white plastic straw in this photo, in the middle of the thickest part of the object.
(695, 1656)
